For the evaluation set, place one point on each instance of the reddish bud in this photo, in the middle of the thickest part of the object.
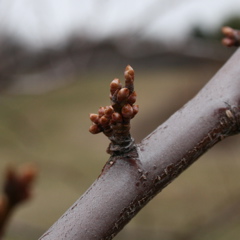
(101, 111)
(116, 117)
(228, 42)
(108, 111)
(127, 111)
(228, 31)
(232, 37)
(122, 94)
(115, 85)
(129, 78)
(29, 174)
(129, 73)
(132, 98)
(104, 121)
(135, 109)
(94, 129)
(94, 117)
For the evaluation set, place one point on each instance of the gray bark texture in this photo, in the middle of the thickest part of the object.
(129, 181)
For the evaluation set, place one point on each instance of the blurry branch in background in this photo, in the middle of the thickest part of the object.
(17, 188)
(51, 67)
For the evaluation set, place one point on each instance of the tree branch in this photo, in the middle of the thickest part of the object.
(129, 182)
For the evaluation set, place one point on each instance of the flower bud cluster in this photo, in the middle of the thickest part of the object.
(231, 38)
(115, 119)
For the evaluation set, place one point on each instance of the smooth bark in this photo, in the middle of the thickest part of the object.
(129, 181)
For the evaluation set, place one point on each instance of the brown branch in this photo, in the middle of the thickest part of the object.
(130, 182)
(16, 190)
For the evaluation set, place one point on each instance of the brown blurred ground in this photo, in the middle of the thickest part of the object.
(51, 130)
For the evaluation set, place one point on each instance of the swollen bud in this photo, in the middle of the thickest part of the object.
(116, 117)
(29, 174)
(127, 111)
(115, 85)
(104, 121)
(108, 111)
(94, 129)
(129, 77)
(94, 117)
(122, 94)
(232, 37)
(228, 42)
(132, 98)
(135, 109)
(129, 73)
(101, 111)
(228, 31)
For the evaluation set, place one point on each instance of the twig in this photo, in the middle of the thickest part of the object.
(16, 190)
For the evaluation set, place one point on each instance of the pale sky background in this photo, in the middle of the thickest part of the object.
(46, 22)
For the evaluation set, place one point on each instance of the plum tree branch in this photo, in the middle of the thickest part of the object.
(129, 181)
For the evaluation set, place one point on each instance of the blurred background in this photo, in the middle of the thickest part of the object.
(57, 59)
